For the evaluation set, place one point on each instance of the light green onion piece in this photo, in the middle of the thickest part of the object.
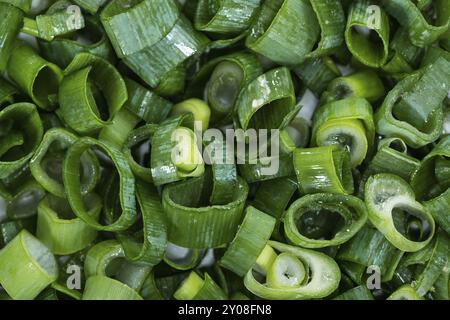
(197, 288)
(197, 107)
(104, 288)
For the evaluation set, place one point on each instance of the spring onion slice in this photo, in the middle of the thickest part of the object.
(427, 186)
(356, 293)
(117, 131)
(364, 84)
(285, 31)
(268, 101)
(40, 80)
(369, 248)
(190, 259)
(26, 267)
(46, 163)
(7, 93)
(175, 136)
(154, 232)
(409, 15)
(316, 73)
(388, 196)
(192, 224)
(346, 123)
(198, 108)
(146, 104)
(25, 199)
(60, 19)
(331, 18)
(72, 183)
(11, 18)
(137, 136)
(371, 50)
(104, 288)
(92, 6)
(323, 169)
(256, 172)
(195, 287)
(60, 230)
(324, 276)
(225, 16)
(300, 225)
(405, 292)
(249, 242)
(424, 110)
(101, 257)
(92, 39)
(86, 80)
(20, 134)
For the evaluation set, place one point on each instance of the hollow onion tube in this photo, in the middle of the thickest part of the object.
(60, 230)
(410, 115)
(249, 242)
(175, 154)
(364, 84)
(87, 81)
(11, 18)
(72, 174)
(324, 275)
(26, 267)
(104, 288)
(154, 234)
(316, 73)
(268, 102)
(61, 18)
(92, 39)
(195, 287)
(323, 169)
(368, 248)
(39, 80)
(222, 79)
(285, 31)
(409, 15)
(348, 124)
(225, 16)
(391, 204)
(310, 222)
(371, 49)
(428, 185)
(46, 163)
(192, 223)
(20, 134)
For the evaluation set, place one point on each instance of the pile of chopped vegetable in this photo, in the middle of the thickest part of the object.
(129, 167)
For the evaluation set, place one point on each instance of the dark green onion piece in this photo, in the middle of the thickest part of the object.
(356, 293)
(91, 5)
(11, 18)
(7, 93)
(25, 200)
(316, 73)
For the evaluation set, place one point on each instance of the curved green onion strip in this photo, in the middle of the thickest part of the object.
(174, 81)
(222, 79)
(191, 259)
(409, 15)
(364, 84)
(295, 135)
(371, 49)
(369, 248)
(154, 232)
(118, 130)
(11, 18)
(285, 31)
(25, 200)
(136, 137)
(92, 6)
(331, 18)
(26, 267)
(195, 287)
(323, 169)
(389, 198)
(410, 115)
(72, 184)
(405, 292)
(175, 154)
(198, 108)
(323, 280)
(60, 230)
(46, 163)
(39, 80)
(20, 134)
(88, 80)
(316, 73)
(256, 172)
(104, 288)
(7, 93)
(101, 257)
(268, 102)
(302, 230)
(249, 242)
(225, 16)
(60, 19)
(346, 123)
(195, 224)
(91, 38)
(146, 104)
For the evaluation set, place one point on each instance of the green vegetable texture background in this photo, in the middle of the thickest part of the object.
(225, 149)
